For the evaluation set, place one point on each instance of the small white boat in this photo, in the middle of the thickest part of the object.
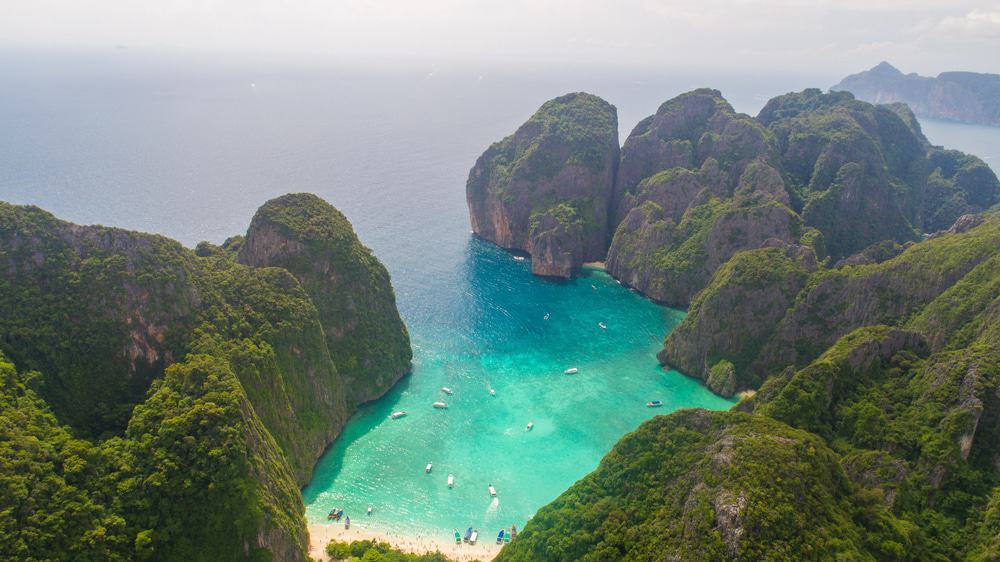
(446, 390)
(493, 392)
(493, 491)
(571, 371)
(428, 468)
(601, 324)
(518, 258)
(546, 317)
(440, 405)
(397, 415)
(594, 287)
(475, 535)
(451, 480)
(369, 510)
(530, 425)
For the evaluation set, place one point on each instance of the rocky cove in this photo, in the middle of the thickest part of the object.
(820, 179)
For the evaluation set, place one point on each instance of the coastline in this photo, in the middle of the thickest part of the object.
(322, 533)
(599, 265)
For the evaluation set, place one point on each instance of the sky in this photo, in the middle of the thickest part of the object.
(925, 36)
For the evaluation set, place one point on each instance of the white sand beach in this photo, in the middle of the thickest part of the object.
(320, 534)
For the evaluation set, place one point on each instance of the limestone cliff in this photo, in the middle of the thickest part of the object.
(756, 284)
(102, 315)
(698, 485)
(695, 185)
(311, 239)
(966, 97)
(938, 285)
(546, 189)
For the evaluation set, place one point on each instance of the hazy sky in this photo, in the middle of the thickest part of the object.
(927, 36)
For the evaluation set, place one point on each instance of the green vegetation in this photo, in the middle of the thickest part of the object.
(349, 287)
(170, 402)
(881, 446)
(373, 551)
(942, 287)
(546, 188)
(700, 485)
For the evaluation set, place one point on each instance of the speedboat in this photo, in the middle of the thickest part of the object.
(332, 515)
(468, 534)
(451, 480)
(347, 522)
(369, 510)
(493, 491)
(493, 392)
(546, 317)
(654, 403)
(530, 425)
(500, 536)
(518, 258)
(475, 535)
(428, 468)
(397, 415)
(513, 530)
(446, 390)
(458, 537)
(440, 405)
(601, 324)
(571, 371)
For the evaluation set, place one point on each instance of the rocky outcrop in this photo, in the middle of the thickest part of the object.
(350, 288)
(966, 97)
(937, 286)
(698, 182)
(699, 485)
(297, 321)
(753, 290)
(546, 189)
(695, 186)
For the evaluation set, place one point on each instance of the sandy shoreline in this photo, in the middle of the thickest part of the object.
(320, 534)
(595, 265)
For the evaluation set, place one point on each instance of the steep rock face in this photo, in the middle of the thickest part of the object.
(754, 289)
(195, 476)
(103, 315)
(949, 399)
(695, 186)
(546, 189)
(966, 97)
(349, 286)
(699, 485)
(957, 268)
(101, 311)
(862, 174)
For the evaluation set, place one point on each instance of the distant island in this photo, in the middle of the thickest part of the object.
(965, 97)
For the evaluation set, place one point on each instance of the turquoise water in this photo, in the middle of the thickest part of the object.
(190, 148)
(501, 340)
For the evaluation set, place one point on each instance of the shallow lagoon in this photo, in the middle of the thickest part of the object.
(495, 335)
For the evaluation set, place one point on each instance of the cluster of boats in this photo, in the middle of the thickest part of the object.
(336, 514)
(472, 535)
(440, 404)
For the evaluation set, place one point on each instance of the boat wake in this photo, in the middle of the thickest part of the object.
(494, 505)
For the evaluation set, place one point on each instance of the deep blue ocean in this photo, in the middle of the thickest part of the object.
(190, 147)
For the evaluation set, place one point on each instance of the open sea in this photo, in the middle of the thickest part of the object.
(190, 147)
